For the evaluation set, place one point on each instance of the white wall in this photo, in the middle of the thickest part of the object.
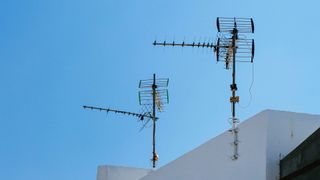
(212, 160)
(286, 130)
(262, 139)
(120, 173)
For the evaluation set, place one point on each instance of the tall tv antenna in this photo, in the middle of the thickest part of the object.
(231, 46)
(156, 96)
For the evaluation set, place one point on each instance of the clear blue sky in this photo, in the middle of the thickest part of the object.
(56, 56)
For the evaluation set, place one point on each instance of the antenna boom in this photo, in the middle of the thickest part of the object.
(141, 116)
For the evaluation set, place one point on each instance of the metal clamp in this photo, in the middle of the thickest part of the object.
(235, 99)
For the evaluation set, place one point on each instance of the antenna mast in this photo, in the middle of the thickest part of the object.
(156, 97)
(229, 49)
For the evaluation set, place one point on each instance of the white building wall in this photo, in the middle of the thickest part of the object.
(262, 139)
(121, 173)
(286, 130)
(212, 160)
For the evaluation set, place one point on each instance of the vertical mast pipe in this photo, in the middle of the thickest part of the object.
(154, 86)
(234, 89)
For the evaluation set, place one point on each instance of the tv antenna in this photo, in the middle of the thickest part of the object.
(156, 97)
(231, 46)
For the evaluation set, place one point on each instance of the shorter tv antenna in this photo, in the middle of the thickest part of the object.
(156, 97)
(232, 46)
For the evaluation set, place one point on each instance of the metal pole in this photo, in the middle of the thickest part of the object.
(155, 156)
(234, 98)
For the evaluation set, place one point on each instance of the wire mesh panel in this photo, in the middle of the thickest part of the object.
(160, 82)
(146, 97)
(244, 50)
(161, 94)
(227, 24)
(232, 46)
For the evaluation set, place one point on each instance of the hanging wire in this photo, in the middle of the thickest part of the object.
(145, 125)
(250, 88)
